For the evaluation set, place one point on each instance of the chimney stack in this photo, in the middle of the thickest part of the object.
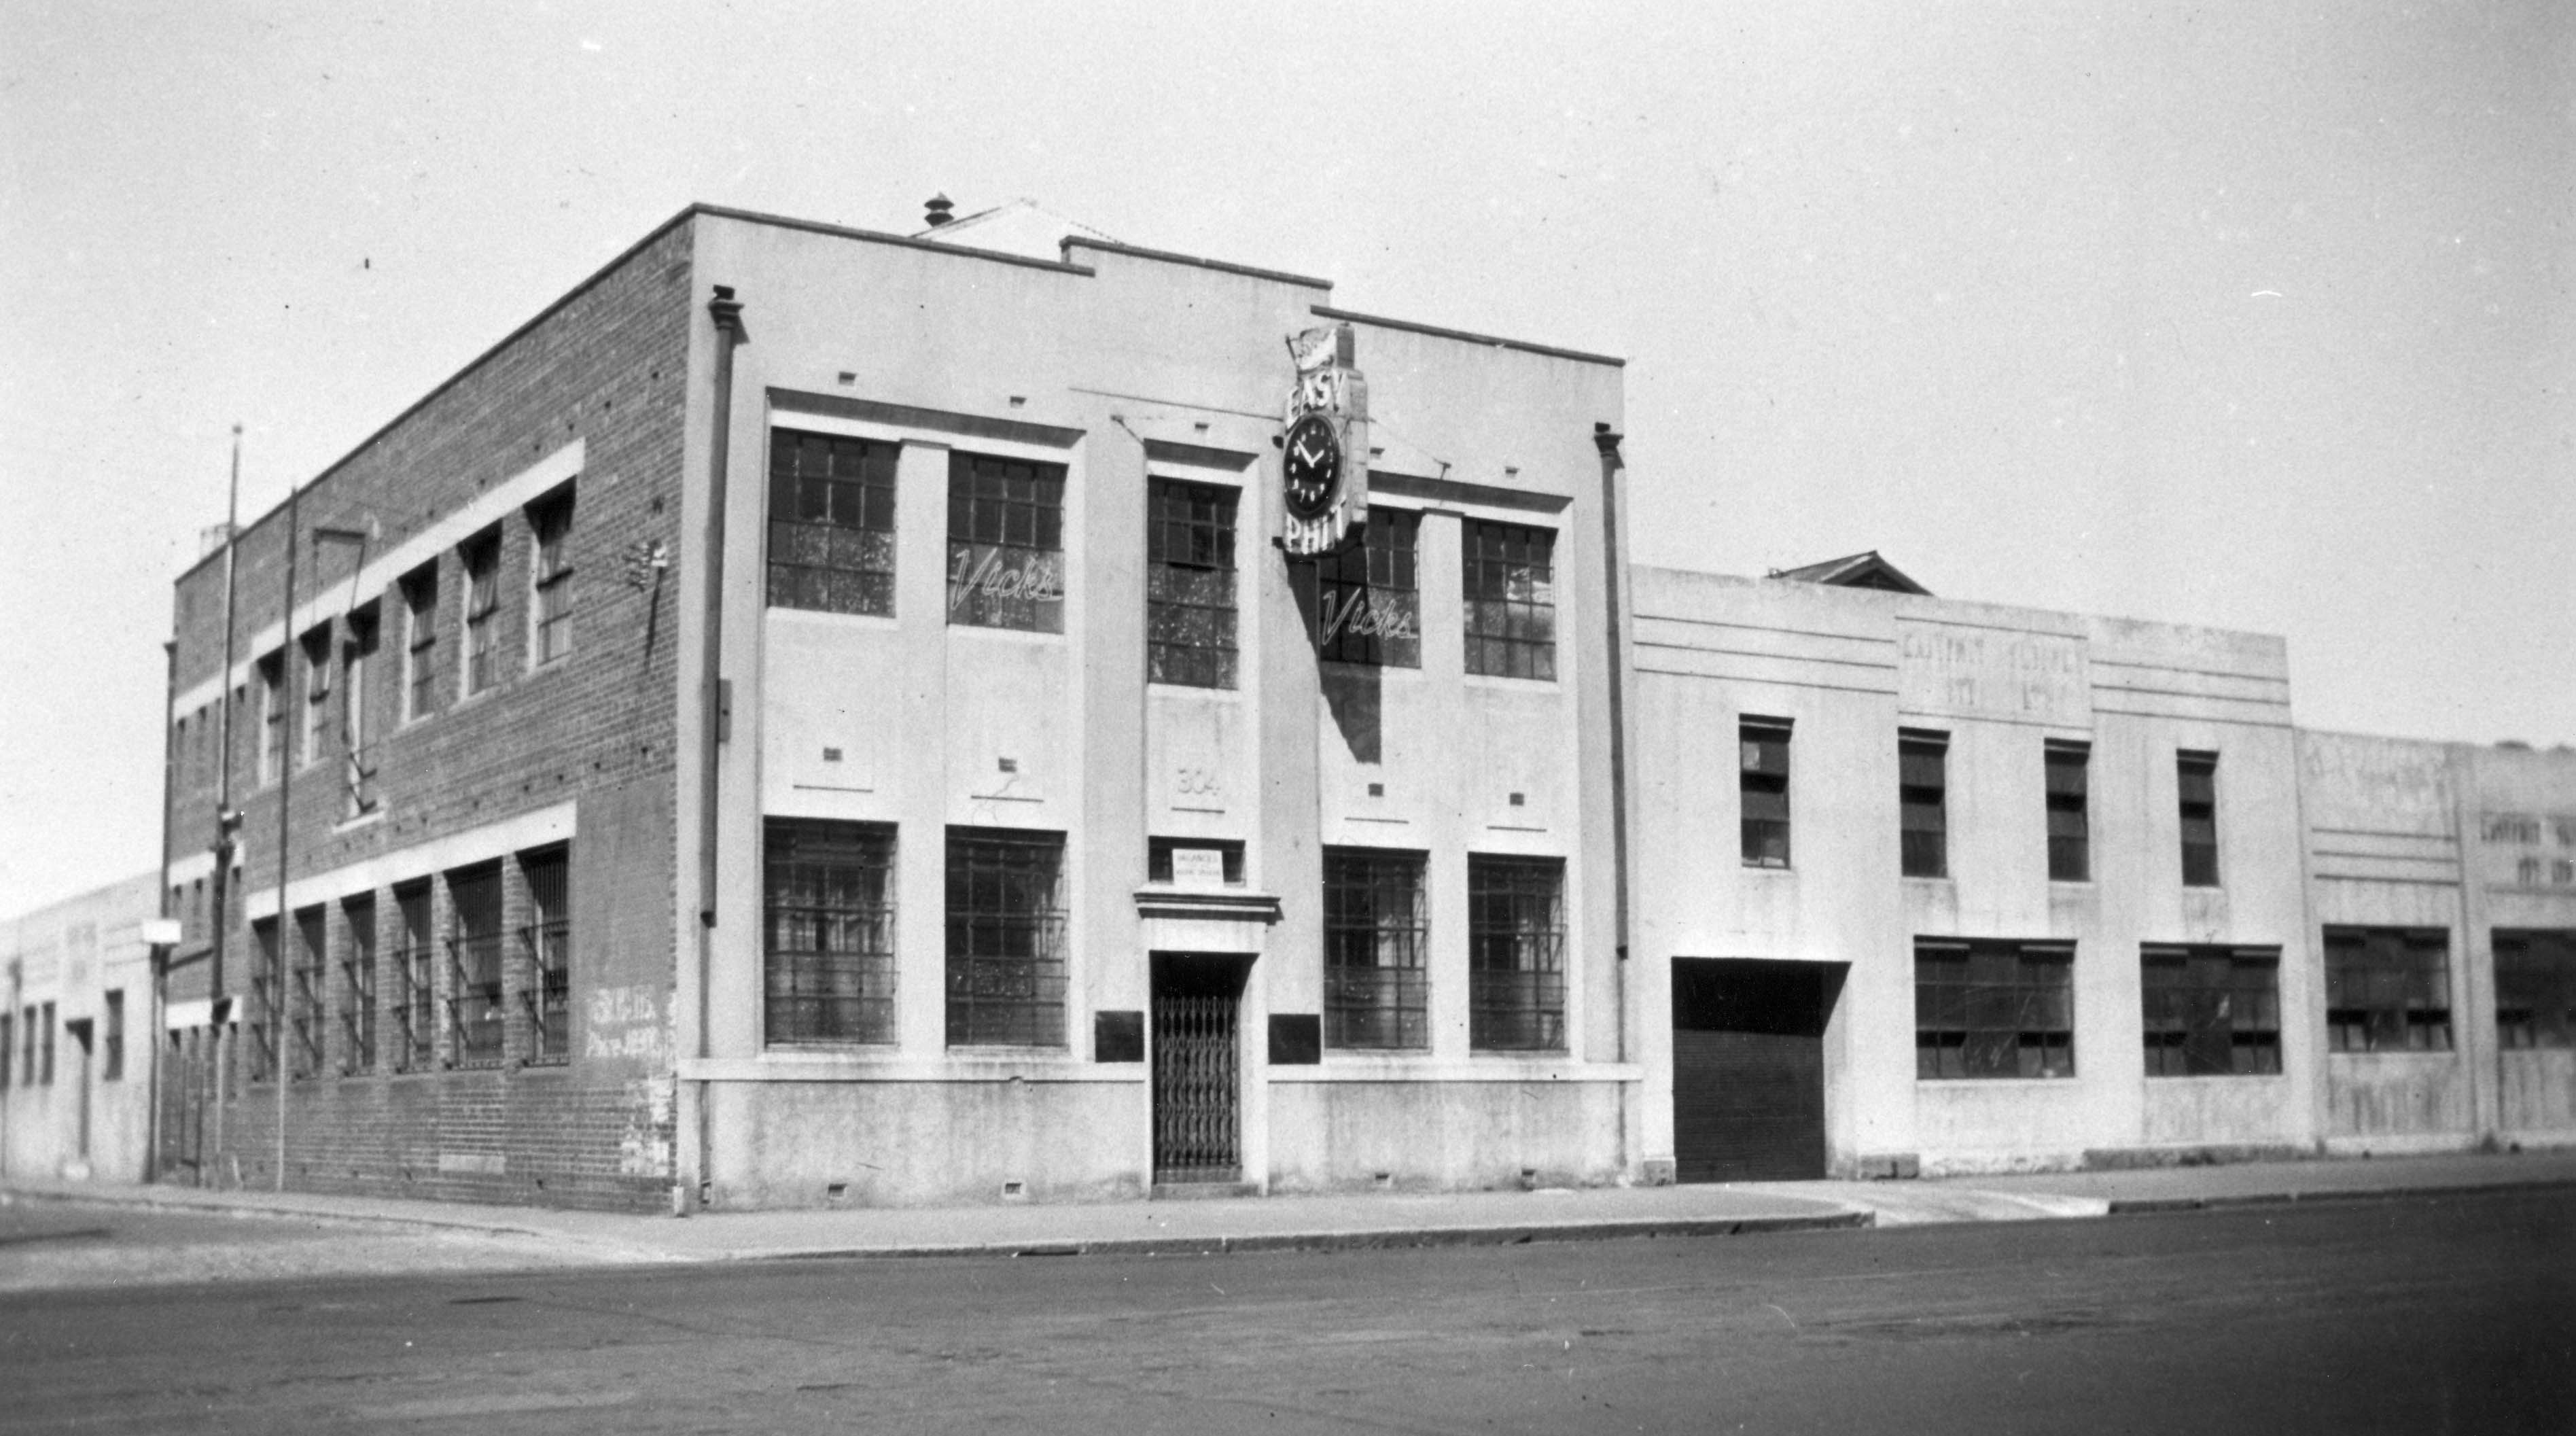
(938, 211)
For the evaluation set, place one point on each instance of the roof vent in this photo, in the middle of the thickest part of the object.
(936, 212)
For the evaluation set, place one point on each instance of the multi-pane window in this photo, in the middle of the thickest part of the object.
(2535, 980)
(267, 999)
(112, 1041)
(1923, 801)
(1377, 992)
(1511, 600)
(1189, 584)
(2211, 1011)
(310, 992)
(414, 967)
(546, 943)
(272, 713)
(831, 523)
(2070, 830)
(1993, 1009)
(482, 558)
(1369, 594)
(1515, 953)
(550, 580)
(317, 695)
(45, 1028)
(1005, 937)
(420, 642)
(358, 985)
(357, 739)
(1763, 753)
(1005, 543)
(2196, 778)
(828, 930)
(474, 959)
(2388, 989)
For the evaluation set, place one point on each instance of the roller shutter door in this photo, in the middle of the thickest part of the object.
(1749, 1069)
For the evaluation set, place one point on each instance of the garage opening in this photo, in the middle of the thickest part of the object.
(1749, 1068)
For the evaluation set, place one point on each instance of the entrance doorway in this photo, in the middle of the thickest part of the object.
(1749, 1068)
(1197, 1056)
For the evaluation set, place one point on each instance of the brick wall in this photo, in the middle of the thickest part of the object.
(606, 366)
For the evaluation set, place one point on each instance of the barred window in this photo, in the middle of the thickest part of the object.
(1376, 934)
(415, 968)
(831, 523)
(1189, 585)
(1005, 937)
(1005, 543)
(2388, 989)
(358, 986)
(267, 1000)
(1511, 600)
(1922, 795)
(112, 1039)
(474, 959)
(482, 612)
(2196, 778)
(1515, 954)
(1993, 1009)
(316, 647)
(1763, 751)
(2535, 977)
(550, 580)
(1369, 594)
(828, 931)
(2211, 1011)
(2070, 832)
(420, 642)
(547, 944)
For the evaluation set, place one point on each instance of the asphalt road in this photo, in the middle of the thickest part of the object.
(2423, 1315)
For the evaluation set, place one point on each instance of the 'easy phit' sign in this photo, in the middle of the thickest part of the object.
(1324, 453)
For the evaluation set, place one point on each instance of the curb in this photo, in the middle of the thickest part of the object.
(2147, 1206)
(350, 1219)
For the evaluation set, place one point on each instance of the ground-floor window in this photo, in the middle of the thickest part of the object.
(2388, 989)
(312, 983)
(1376, 991)
(1993, 1009)
(415, 963)
(828, 931)
(547, 941)
(267, 999)
(1006, 979)
(358, 984)
(474, 955)
(1515, 953)
(2535, 976)
(2211, 1011)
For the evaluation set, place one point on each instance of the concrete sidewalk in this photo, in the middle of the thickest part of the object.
(1369, 1220)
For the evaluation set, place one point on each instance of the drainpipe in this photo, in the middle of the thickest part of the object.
(715, 727)
(1606, 439)
(160, 956)
(288, 643)
(218, 911)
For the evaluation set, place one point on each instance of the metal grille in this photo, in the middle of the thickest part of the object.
(358, 970)
(1511, 600)
(1195, 1102)
(474, 956)
(1005, 938)
(1189, 585)
(312, 977)
(1369, 594)
(267, 995)
(416, 1010)
(1376, 993)
(829, 931)
(831, 523)
(1515, 954)
(1993, 1010)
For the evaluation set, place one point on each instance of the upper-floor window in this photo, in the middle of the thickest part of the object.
(550, 579)
(1189, 584)
(1763, 749)
(1005, 543)
(317, 695)
(357, 735)
(2535, 985)
(2211, 1011)
(2196, 779)
(2388, 989)
(1923, 802)
(1993, 1009)
(1368, 594)
(272, 713)
(482, 558)
(420, 642)
(828, 931)
(1511, 600)
(112, 1038)
(2070, 832)
(1377, 989)
(831, 523)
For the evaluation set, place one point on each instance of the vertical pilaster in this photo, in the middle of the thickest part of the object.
(920, 784)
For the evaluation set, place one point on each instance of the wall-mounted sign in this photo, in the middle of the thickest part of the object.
(1324, 453)
(1198, 867)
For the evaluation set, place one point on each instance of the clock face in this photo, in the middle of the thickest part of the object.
(1314, 465)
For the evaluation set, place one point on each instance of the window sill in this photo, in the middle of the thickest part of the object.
(1943, 879)
(832, 618)
(2218, 1077)
(1346, 1065)
(2398, 1054)
(1975, 1083)
(1778, 869)
(979, 1064)
(1509, 682)
(367, 819)
(1016, 635)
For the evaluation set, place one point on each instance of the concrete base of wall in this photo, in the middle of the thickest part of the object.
(2403, 1144)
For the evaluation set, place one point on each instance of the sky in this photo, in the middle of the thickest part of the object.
(2256, 316)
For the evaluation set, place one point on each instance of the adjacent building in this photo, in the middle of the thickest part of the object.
(75, 1035)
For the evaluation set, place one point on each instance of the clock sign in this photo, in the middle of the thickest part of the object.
(1323, 466)
(1313, 465)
